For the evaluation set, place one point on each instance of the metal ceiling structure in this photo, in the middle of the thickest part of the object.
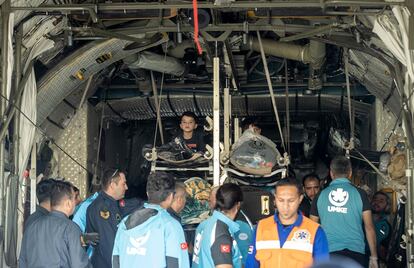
(137, 108)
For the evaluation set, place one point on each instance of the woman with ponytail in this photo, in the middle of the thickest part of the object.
(215, 244)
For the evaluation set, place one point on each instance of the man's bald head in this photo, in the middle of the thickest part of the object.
(212, 197)
(180, 197)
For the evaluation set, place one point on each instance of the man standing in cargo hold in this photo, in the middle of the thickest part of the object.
(342, 208)
(311, 187)
(287, 239)
(104, 215)
(150, 236)
(53, 240)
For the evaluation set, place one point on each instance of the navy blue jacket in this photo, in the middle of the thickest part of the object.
(103, 216)
(53, 241)
(40, 212)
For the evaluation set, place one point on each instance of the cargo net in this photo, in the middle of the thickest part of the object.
(254, 154)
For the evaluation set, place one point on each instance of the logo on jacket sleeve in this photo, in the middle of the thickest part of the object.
(225, 248)
(138, 245)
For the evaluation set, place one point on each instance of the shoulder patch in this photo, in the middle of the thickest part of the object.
(104, 214)
(184, 246)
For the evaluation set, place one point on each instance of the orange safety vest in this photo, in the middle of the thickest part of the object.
(296, 251)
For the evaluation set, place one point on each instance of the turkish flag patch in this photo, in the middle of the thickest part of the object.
(225, 248)
(122, 203)
(183, 246)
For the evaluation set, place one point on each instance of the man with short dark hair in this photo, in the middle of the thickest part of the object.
(43, 192)
(104, 214)
(253, 124)
(311, 187)
(380, 208)
(150, 237)
(287, 239)
(343, 210)
(54, 240)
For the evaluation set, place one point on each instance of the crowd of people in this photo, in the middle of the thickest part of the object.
(117, 232)
(310, 225)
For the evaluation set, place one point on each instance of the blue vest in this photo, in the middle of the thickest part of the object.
(148, 244)
(340, 212)
(203, 240)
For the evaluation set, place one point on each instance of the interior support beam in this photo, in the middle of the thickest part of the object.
(95, 8)
(227, 113)
(216, 121)
(171, 27)
(5, 14)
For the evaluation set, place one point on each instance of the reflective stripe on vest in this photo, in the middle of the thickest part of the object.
(268, 244)
(298, 246)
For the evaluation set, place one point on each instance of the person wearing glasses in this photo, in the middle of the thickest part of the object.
(104, 214)
(150, 236)
(215, 244)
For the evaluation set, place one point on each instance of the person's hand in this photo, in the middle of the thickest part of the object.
(373, 262)
(90, 238)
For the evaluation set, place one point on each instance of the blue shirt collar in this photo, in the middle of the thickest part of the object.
(340, 180)
(298, 221)
(233, 226)
(154, 206)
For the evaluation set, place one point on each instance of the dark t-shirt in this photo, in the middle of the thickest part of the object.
(305, 206)
(196, 143)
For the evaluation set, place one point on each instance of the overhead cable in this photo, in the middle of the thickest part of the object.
(269, 83)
